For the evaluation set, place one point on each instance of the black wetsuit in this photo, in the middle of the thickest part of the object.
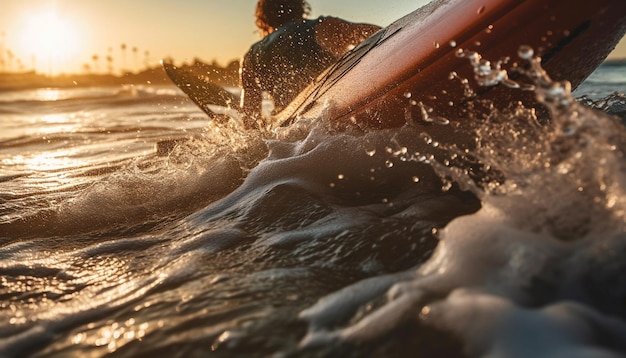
(286, 61)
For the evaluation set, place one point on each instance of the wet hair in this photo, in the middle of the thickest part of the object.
(272, 14)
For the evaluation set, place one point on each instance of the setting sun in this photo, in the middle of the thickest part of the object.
(49, 39)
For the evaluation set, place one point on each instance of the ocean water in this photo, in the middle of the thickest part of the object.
(309, 241)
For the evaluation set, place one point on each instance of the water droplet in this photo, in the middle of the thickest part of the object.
(525, 52)
(407, 94)
(436, 44)
(341, 177)
(416, 179)
(452, 43)
(481, 10)
(389, 164)
(371, 152)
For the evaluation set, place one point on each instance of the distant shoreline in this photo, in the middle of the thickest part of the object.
(615, 62)
(225, 76)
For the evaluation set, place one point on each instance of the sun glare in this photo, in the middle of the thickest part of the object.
(50, 40)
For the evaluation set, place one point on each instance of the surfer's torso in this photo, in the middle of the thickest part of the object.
(286, 61)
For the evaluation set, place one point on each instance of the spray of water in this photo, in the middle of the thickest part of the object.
(552, 219)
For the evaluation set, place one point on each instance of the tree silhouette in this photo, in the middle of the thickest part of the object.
(110, 60)
(147, 59)
(136, 64)
(2, 60)
(123, 47)
(95, 59)
(110, 64)
(10, 56)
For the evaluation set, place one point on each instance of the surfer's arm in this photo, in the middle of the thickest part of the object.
(251, 94)
(338, 36)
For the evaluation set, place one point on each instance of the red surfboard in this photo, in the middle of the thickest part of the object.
(404, 69)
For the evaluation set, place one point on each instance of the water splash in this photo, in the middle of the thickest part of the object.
(553, 217)
(578, 154)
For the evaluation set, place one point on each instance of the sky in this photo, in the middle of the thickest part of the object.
(54, 36)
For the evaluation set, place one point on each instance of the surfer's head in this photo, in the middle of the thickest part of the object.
(272, 14)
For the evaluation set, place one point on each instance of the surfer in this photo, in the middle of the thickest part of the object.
(293, 52)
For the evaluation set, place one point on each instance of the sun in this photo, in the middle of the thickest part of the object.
(49, 39)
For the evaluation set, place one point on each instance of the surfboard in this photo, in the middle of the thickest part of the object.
(200, 89)
(204, 93)
(403, 72)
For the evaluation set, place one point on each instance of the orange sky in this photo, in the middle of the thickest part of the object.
(55, 36)
(64, 35)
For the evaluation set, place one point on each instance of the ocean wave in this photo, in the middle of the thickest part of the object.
(307, 241)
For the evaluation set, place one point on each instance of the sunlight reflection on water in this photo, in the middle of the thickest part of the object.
(49, 161)
(45, 161)
(54, 118)
(48, 94)
(55, 123)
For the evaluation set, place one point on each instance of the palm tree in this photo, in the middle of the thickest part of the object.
(123, 47)
(135, 49)
(10, 56)
(2, 61)
(95, 59)
(147, 59)
(110, 60)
